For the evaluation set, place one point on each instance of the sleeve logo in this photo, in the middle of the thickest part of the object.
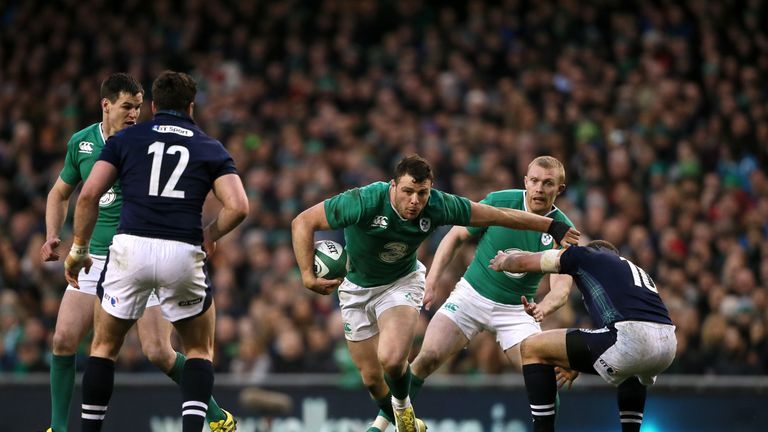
(85, 147)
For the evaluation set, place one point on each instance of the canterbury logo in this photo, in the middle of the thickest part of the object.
(85, 147)
(380, 221)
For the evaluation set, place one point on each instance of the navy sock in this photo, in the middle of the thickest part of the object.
(541, 386)
(98, 382)
(631, 398)
(196, 389)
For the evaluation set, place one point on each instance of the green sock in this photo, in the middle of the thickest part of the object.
(62, 385)
(416, 384)
(400, 386)
(215, 413)
(385, 408)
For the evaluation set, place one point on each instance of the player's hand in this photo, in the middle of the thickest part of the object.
(532, 309)
(48, 252)
(321, 285)
(497, 262)
(565, 377)
(73, 263)
(209, 247)
(563, 233)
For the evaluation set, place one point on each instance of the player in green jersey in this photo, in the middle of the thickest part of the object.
(487, 300)
(121, 100)
(384, 224)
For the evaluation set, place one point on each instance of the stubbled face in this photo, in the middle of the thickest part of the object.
(409, 196)
(122, 113)
(542, 186)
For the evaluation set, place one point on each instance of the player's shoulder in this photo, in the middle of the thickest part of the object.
(506, 198)
(374, 190)
(86, 137)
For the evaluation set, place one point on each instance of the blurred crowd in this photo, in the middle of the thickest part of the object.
(658, 109)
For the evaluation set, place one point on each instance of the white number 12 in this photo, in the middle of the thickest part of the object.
(169, 190)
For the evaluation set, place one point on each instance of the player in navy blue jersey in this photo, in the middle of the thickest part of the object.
(633, 343)
(166, 168)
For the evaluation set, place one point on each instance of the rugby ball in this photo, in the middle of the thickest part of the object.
(330, 260)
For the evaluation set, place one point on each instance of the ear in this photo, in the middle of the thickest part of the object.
(560, 188)
(105, 105)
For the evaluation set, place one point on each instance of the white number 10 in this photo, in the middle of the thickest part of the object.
(640, 277)
(169, 190)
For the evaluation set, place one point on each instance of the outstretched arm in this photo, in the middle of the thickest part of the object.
(446, 251)
(485, 215)
(55, 212)
(303, 230)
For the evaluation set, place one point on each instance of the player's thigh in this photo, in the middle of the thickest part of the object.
(442, 339)
(357, 311)
(196, 334)
(108, 334)
(397, 327)
(74, 320)
(548, 347)
(155, 336)
(365, 356)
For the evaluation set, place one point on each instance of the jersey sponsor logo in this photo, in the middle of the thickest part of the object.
(190, 302)
(546, 239)
(172, 129)
(85, 147)
(347, 328)
(108, 198)
(425, 224)
(510, 274)
(393, 251)
(380, 221)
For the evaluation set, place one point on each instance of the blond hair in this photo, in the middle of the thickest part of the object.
(548, 162)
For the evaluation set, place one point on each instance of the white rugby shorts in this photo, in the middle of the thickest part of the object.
(138, 266)
(361, 307)
(88, 281)
(473, 313)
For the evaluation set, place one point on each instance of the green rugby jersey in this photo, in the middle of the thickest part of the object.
(82, 152)
(382, 246)
(506, 287)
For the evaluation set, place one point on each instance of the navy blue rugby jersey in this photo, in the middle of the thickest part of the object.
(166, 168)
(614, 288)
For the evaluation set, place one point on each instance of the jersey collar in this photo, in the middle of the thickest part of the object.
(525, 205)
(174, 113)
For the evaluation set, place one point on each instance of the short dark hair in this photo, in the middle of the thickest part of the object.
(603, 246)
(173, 90)
(415, 166)
(120, 83)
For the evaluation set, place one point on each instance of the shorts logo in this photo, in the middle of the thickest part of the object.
(347, 328)
(408, 296)
(108, 198)
(172, 129)
(608, 368)
(425, 224)
(85, 147)
(113, 301)
(452, 307)
(380, 222)
(190, 302)
(546, 239)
